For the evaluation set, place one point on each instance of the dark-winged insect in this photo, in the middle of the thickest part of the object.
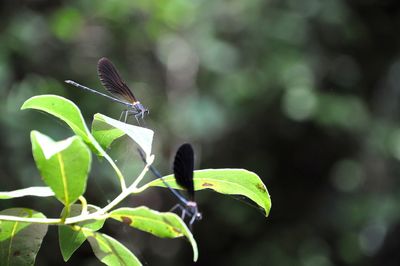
(183, 171)
(114, 84)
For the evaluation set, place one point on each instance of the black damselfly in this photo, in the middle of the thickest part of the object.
(183, 171)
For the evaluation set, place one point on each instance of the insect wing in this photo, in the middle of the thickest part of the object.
(112, 81)
(183, 168)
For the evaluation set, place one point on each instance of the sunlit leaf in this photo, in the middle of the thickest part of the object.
(110, 251)
(166, 225)
(68, 112)
(30, 191)
(106, 130)
(70, 240)
(20, 241)
(64, 165)
(226, 181)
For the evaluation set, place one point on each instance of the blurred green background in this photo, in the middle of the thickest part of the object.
(304, 93)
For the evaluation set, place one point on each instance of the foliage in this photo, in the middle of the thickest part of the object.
(306, 92)
(64, 166)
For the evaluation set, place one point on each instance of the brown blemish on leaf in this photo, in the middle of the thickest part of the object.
(176, 230)
(261, 187)
(16, 253)
(126, 220)
(205, 184)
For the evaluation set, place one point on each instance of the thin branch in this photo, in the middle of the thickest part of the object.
(98, 215)
(84, 205)
(117, 171)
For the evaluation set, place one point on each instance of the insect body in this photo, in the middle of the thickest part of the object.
(114, 84)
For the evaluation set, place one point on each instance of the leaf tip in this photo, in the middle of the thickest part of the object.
(25, 105)
(195, 257)
(268, 206)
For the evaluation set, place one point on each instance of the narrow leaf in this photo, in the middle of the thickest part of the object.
(110, 251)
(64, 165)
(30, 191)
(161, 224)
(106, 130)
(20, 241)
(70, 240)
(226, 181)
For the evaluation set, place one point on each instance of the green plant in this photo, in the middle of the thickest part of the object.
(64, 166)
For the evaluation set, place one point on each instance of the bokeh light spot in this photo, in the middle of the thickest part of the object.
(66, 23)
(299, 103)
(371, 237)
(347, 175)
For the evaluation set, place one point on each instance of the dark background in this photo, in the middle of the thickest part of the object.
(303, 93)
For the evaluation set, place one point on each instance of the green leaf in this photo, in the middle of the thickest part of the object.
(166, 225)
(104, 133)
(106, 130)
(70, 240)
(68, 112)
(30, 191)
(226, 181)
(110, 251)
(64, 165)
(20, 241)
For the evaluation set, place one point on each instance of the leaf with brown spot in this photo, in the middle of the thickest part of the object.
(161, 224)
(225, 181)
(20, 241)
(126, 220)
(261, 187)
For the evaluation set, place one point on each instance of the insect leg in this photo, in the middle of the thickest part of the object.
(126, 115)
(192, 220)
(122, 114)
(183, 215)
(140, 115)
(137, 119)
(179, 206)
(175, 207)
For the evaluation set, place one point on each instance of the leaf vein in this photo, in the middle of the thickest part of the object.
(143, 218)
(63, 178)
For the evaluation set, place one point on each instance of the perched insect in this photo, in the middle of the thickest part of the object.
(114, 84)
(183, 171)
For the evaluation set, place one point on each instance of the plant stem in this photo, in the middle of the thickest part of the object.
(110, 160)
(117, 171)
(98, 215)
(84, 205)
(149, 161)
